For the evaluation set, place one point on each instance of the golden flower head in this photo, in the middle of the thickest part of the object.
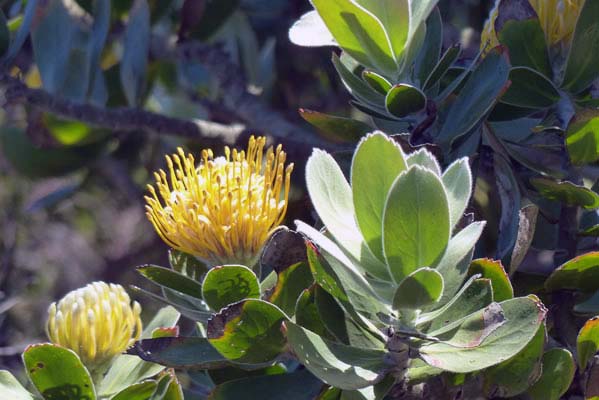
(224, 209)
(98, 322)
(557, 17)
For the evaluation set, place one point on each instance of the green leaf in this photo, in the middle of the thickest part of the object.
(530, 89)
(415, 222)
(472, 330)
(4, 34)
(587, 343)
(516, 375)
(186, 305)
(338, 276)
(453, 266)
(457, 180)
(558, 373)
(336, 364)
(421, 288)
(356, 86)
(395, 19)
(186, 264)
(54, 370)
(567, 192)
(430, 53)
(299, 385)
(478, 96)
(519, 29)
(337, 129)
(582, 137)
(52, 41)
(523, 316)
(307, 313)
(425, 159)
(376, 82)
(171, 279)
(291, 282)
(359, 33)
(138, 391)
(377, 161)
(10, 388)
(135, 52)
(310, 30)
(179, 352)
(168, 388)
(403, 100)
(509, 196)
(332, 199)
(248, 331)
(447, 59)
(127, 370)
(581, 67)
(494, 271)
(580, 273)
(473, 296)
(229, 284)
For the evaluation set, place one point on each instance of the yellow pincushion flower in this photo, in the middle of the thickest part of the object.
(98, 322)
(558, 20)
(224, 209)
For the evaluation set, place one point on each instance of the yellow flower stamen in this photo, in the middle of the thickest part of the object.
(557, 17)
(98, 322)
(224, 209)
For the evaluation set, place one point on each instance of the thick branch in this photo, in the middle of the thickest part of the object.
(118, 119)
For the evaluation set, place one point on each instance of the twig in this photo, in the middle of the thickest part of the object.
(117, 119)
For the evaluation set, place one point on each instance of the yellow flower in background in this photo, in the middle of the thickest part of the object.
(98, 322)
(224, 209)
(558, 20)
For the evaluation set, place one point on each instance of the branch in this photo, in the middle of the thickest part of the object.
(236, 98)
(121, 119)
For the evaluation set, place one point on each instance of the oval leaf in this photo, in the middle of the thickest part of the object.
(581, 67)
(179, 352)
(359, 33)
(558, 373)
(403, 100)
(567, 192)
(310, 30)
(530, 89)
(419, 289)
(523, 316)
(55, 370)
(516, 375)
(519, 29)
(377, 162)
(376, 81)
(580, 273)
(415, 222)
(229, 284)
(494, 271)
(248, 331)
(336, 364)
(478, 96)
(587, 343)
(171, 279)
(457, 180)
(337, 129)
